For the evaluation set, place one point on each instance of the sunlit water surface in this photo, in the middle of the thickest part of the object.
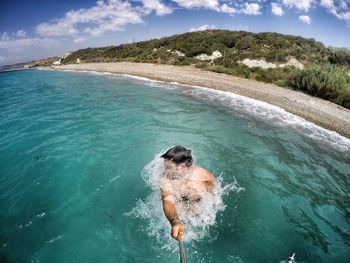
(79, 160)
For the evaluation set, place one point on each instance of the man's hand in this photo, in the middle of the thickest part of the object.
(178, 230)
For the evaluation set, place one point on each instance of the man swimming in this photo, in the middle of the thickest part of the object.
(182, 186)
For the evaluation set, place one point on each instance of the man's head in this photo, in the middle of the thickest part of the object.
(179, 156)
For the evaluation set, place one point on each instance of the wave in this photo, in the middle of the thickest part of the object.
(272, 114)
(260, 109)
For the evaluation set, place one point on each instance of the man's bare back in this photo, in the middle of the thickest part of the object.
(191, 186)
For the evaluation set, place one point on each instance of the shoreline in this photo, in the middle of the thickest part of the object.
(15, 69)
(318, 111)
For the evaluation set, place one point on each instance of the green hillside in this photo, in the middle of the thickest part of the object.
(235, 46)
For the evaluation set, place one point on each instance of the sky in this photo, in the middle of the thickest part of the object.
(35, 29)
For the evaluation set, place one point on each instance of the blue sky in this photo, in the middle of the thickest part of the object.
(38, 29)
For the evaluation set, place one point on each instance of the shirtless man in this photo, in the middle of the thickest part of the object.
(183, 184)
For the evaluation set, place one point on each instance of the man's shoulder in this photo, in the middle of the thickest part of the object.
(164, 181)
(202, 174)
(165, 185)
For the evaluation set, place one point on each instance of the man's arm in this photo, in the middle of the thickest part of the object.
(177, 228)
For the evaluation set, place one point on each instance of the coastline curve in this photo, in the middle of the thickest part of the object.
(320, 112)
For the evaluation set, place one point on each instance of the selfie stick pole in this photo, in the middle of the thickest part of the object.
(182, 252)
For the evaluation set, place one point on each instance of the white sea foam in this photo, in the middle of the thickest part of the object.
(54, 239)
(197, 225)
(150, 82)
(114, 178)
(272, 114)
(262, 110)
(45, 68)
(234, 259)
(268, 113)
(41, 215)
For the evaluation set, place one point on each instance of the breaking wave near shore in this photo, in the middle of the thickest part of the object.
(197, 224)
(260, 109)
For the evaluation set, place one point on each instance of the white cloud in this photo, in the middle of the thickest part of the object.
(19, 41)
(303, 5)
(277, 9)
(4, 37)
(227, 9)
(339, 9)
(305, 19)
(79, 39)
(202, 28)
(345, 16)
(21, 33)
(2, 58)
(157, 6)
(113, 15)
(251, 9)
(344, 4)
(209, 4)
(60, 28)
(17, 45)
(327, 4)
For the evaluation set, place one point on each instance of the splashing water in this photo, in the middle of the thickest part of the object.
(197, 224)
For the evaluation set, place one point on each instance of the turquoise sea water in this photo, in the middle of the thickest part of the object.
(73, 152)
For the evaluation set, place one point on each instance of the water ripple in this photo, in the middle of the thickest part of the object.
(73, 145)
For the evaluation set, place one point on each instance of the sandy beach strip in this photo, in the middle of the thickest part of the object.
(321, 112)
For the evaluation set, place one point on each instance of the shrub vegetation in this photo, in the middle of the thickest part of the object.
(330, 82)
